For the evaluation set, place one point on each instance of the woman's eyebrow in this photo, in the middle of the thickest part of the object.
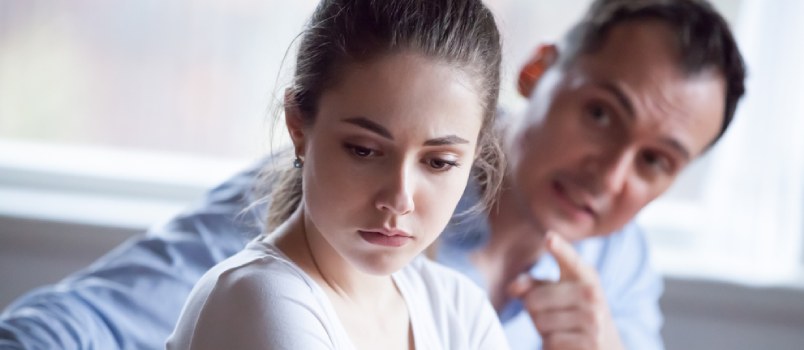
(445, 140)
(370, 125)
(378, 129)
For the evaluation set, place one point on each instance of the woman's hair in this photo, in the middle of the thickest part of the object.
(461, 33)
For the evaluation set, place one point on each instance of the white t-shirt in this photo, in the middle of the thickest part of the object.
(259, 299)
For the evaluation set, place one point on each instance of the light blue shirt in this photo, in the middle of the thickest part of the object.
(131, 298)
(631, 287)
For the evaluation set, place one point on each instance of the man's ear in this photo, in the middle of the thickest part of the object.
(545, 56)
(294, 120)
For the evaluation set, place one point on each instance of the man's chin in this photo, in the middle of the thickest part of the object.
(571, 231)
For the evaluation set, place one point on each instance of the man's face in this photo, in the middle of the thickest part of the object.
(610, 131)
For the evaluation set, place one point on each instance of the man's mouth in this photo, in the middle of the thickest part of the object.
(573, 199)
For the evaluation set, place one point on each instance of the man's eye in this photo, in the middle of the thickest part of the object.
(657, 161)
(599, 115)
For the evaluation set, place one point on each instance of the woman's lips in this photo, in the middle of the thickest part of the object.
(386, 238)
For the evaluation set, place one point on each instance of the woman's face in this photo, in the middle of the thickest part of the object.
(387, 158)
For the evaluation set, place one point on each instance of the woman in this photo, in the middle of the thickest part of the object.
(390, 108)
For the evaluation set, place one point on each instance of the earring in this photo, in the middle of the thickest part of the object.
(298, 163)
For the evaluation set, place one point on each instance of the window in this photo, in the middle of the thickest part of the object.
(738, 214)
(184, 77)
(145, 104)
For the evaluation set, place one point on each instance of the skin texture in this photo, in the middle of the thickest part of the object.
(390, 148)
(604, 135)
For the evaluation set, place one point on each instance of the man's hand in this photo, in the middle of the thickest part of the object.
(571, 313)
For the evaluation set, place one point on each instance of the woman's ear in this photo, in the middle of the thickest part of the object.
(294, 120)
(545, 56)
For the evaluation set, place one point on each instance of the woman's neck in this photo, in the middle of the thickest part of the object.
(370, 308)
(303, 243)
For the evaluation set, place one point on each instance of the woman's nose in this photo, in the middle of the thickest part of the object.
(396, 196)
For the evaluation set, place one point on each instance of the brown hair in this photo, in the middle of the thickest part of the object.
(461, 33)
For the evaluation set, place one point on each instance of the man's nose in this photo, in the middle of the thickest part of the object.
(612, 170)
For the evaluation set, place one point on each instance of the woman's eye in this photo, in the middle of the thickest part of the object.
(599, 115)
(360, 151)
(441, 164)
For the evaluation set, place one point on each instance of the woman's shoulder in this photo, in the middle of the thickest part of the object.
(257, 298)
(259, 273)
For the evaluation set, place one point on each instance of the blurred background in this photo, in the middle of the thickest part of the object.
(116, 115)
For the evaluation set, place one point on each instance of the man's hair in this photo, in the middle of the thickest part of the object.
(704, 38)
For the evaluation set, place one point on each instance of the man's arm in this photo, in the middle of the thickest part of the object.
(607, 296)
(132, 297)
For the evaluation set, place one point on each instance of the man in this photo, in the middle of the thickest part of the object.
(635, 92)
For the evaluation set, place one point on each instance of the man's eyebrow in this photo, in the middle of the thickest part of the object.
(676, 145)
(622, 98)
(370, 125)
(446, 140)
(619, 95)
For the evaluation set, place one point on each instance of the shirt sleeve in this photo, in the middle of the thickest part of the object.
(131, 298)
(633, 289)
(252, 307)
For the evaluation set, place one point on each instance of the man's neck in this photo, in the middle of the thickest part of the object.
(514, 236)
(514, 245)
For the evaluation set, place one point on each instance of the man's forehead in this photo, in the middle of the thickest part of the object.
(636, 39)
(639, 49)
(686, 109)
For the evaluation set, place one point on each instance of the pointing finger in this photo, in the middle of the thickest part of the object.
(523, 284)
(569, 261)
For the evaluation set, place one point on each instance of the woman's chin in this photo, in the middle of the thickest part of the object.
(383, 265)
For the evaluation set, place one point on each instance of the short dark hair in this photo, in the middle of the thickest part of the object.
(704, 38)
